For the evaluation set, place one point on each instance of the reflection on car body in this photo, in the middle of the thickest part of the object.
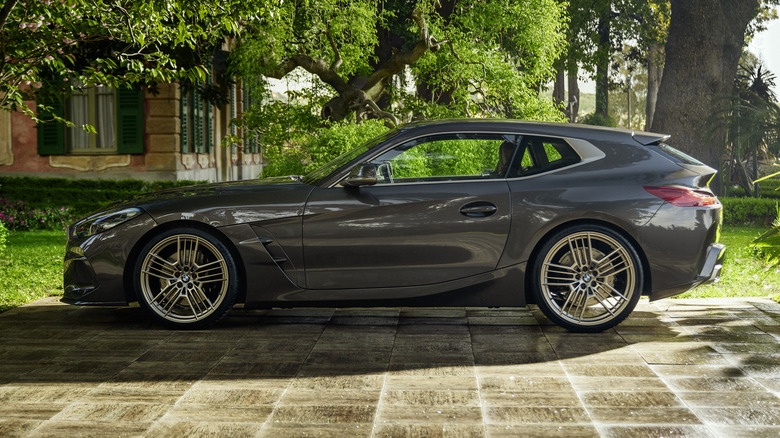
(579, 220)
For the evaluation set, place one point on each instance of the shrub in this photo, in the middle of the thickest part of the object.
(599, 120)
(749, 211)
(80, 196)
(17, 216)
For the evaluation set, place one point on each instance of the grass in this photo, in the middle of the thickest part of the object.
(744, 272)
(31, 268)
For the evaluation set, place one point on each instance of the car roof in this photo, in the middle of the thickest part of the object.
(538, 128)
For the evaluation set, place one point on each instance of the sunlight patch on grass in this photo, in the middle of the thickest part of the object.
(744, 272)
(31, 267)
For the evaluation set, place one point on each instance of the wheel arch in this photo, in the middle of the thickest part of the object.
(127, 280)
(646, 278)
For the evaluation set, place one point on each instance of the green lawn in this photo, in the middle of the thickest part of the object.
(744, 272)
(31, 268)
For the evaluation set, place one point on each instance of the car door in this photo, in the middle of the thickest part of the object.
(439, 211)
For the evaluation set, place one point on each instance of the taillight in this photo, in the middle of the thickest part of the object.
(682, 197)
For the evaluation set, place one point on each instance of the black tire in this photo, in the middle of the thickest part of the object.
(587, 278)
(186, 278)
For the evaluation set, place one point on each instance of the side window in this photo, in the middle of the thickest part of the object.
(448, 157)
(541, 154)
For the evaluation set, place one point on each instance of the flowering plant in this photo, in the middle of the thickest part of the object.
(16, 216)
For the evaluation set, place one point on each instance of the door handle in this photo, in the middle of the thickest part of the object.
(478, 209)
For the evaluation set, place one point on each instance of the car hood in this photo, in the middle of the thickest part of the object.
(228, 203)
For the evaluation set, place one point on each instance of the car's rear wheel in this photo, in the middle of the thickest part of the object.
(587, 278)
(186, 278)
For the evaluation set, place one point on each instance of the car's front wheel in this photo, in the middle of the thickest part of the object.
(186, 278)
(587, 278)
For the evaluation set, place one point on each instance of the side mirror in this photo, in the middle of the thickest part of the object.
(363, 174)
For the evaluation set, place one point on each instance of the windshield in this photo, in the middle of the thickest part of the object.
(316, 175)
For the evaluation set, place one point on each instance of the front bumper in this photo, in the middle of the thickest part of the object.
(94, 266)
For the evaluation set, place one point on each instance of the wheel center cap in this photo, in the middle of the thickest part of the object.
(185, 278)
(586, 278)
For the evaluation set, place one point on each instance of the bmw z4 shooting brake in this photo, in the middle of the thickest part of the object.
(579, 220)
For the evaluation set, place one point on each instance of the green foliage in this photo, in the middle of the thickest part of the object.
(78, 196)
(748, 211)
(447, 158)
(50, 46)
(598, 120)
(17, 216)
(319, 148)
(3, 236)
(31, 267)
(744, 271)
(769, 243)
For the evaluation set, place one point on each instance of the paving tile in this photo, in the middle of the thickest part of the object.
(657, 432)
(643, 415)
(430, 383)
(324, 413)
(673, 368)
(419, 397)
(512, 415)
(629, 398)
(429, 414)
(339, 430)
(193, 427)
(523, 383)
(739, 416)
(14, 428)
(542, 431)
(90, 428)
(429, 431)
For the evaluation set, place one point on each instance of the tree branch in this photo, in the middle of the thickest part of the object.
(337, 61)
(315, 66)
(6, 11)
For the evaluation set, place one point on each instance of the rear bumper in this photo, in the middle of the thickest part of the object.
(713, 264)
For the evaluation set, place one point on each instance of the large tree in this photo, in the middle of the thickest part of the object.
(487, 57)
(702, 54)
(48, 47)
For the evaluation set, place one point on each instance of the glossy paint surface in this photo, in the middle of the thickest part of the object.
(434, 242)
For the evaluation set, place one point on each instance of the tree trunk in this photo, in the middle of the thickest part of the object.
(559, 88)
(702, 55)
(573, 109)
(602, 67)
(655, 71)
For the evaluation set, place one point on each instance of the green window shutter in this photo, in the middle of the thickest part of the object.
(186, 128)
(51, 135)
(209, 127)
(197, 121)
(129, 120)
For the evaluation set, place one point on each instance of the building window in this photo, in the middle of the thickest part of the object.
(117, 115)
(96, 107)
(197, 123)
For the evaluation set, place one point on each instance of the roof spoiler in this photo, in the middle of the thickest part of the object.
(649, 138)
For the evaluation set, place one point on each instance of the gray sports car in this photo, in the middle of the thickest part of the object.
(579, 220)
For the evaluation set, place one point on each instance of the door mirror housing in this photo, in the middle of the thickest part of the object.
(363, 174)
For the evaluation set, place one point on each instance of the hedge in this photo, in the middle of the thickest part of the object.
(749, 211)
(82, 196)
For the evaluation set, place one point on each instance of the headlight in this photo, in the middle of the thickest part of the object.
(103, 221)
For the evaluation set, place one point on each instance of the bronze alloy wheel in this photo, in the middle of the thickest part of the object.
(588, 278)
(184, 278)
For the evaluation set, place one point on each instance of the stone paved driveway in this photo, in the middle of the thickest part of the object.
(674, 368)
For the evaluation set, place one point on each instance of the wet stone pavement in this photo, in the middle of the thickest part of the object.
(692, 368)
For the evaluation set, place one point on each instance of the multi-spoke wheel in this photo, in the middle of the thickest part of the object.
(186, 278)
(587, 278)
